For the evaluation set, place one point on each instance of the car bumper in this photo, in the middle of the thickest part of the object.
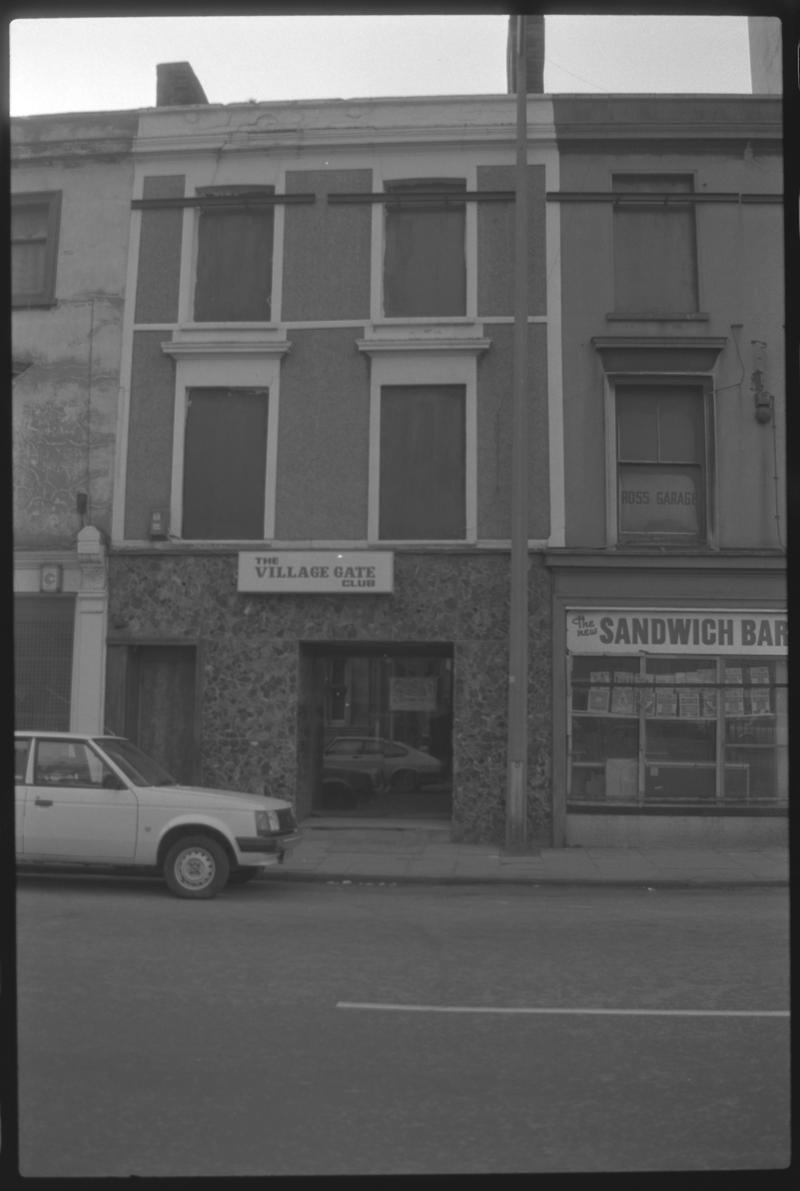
(266, 849)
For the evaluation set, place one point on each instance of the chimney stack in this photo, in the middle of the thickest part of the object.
(534, 54)
(177, 85)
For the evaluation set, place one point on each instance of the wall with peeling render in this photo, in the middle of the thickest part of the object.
(65, 396)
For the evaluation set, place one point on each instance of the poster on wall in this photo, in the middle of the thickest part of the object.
(412, 694)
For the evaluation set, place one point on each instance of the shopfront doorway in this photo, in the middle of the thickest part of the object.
(376, 730)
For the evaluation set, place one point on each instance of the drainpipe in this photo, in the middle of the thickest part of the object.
(517, 776)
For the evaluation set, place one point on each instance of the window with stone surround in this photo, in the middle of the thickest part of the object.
(422, 462)
(661, 462)
(224, 464)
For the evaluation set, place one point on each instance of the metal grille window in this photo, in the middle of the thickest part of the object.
(225, 459)
(34, 244)
(661, 461)
(234, 257)
(425, 272)
(678, 731)
(43, 636)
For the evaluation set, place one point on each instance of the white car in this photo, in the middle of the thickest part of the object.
(99, 801)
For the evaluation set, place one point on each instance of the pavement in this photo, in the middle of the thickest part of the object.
(382, 852)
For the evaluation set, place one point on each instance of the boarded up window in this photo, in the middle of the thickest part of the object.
(34, 243)
(43, 635)
(661, 461)
(234, 258)
(425, 272)
(655, 260)
(422, 467)
(224, 469)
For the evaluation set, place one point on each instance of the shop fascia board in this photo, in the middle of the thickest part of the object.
(745, 560)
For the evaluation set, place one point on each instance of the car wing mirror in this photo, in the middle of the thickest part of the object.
(112, 782)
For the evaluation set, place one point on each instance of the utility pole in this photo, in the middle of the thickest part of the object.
(517, 788)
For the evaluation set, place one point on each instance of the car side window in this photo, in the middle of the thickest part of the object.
(394, 750)
(67, 763)
(21, 750)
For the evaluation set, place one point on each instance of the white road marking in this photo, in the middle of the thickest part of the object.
(570, 1012)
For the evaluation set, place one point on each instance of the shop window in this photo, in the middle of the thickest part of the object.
(655, 259)
(661, 462)
(422, 462)
(44, 628)
(34, 245)
(677, 731)
(224, 468)
(234, 256)
(425, 272)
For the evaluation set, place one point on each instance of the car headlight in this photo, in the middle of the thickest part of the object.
(267, 822)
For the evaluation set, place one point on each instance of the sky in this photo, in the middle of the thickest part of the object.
(90, 64)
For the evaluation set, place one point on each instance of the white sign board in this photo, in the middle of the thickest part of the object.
(659, 630)
(345, 572)
(412, 694)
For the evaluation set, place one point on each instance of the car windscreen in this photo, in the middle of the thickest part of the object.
(136, 765)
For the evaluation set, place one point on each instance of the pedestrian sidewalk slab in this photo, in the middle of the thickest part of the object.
(410, 851)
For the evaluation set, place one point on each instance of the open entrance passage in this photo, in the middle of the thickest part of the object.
(384, 729)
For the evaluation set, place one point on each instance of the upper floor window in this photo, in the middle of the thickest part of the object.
(234, 255)
(424, 267)
(224, 466)
(34, 245)
(661, 462)
(655, 257)
(423, 462)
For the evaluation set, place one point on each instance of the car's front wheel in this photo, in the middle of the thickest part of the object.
(196, 866)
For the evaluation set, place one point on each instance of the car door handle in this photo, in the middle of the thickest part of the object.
(43, 801)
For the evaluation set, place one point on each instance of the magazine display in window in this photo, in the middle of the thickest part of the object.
(622, 694)
(666, 698)
(734, 693)
(645, 694)
(599, 691)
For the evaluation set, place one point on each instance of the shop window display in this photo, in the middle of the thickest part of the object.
(669, 731)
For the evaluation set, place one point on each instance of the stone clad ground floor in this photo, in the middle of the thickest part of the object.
(682, 743)
(240, 682)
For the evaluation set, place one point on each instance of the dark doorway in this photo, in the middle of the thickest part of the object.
(378, 730)
(151, 700)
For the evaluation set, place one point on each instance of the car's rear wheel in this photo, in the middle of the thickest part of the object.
(404, 779)
(196, 866)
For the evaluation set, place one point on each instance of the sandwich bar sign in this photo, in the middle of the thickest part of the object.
(347, 572)
(701, 631)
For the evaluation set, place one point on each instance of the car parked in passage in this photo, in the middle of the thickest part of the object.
(400, 766)
(99, 802)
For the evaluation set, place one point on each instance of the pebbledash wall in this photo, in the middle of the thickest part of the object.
(250, 661)
(324, 354)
